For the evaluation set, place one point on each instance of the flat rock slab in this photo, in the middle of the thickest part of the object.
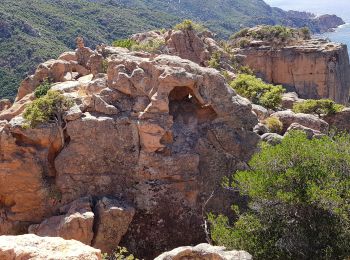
(45, 248)
(205, 252)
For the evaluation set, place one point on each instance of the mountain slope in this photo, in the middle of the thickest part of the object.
(34, 31)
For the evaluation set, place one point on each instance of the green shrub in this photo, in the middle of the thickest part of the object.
(188, 25)
(276, 34)
(151, 46)
(214, 61)
(46, 109)
(243, 43)
(319, 107)
(124, 43)
(42, 89)
(120, 253)
(299, 201)
(240, 34)
(274, 124)
(104, 66)
(305, 33)
(245, 70)
(163, 30)
(257, 91)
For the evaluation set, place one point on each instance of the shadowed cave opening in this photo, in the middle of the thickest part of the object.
(189, 118)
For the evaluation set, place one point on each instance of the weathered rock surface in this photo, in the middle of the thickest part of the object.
(5, 104)
(310, 133)
(156, 133)
(32, 247)
(17, 108)
(69, 66)
(76, 223)
(113, 220)
(339, 121)
(261, 112)
(288, 117)
(100, 223)
(314, 69)
(204, 252)
(195, 46)
(289, 99)
(272, 138)
(260, 129)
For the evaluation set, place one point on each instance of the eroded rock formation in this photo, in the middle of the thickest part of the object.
(155, 133)
(198, 47)
(314, 69)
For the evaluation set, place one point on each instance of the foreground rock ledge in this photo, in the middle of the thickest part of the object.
(204, 251)
(45, 248)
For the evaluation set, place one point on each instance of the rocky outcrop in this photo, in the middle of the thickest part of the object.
(313, 69)
(113, 220)
(156, 133)
(76, 222)
(204, 252)
(288, 118)
(100, 223)
(272, 138)
(195, 46)
(310, 133)
(33, 247)
(328, 22)
(339, 121)
(289, 99)
(69, 66)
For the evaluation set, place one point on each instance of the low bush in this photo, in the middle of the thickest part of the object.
(299, 201)
(318, 107)
(257, 91)
(121, 253)
(243, 43)
(245, 70)
(189, 25)
(48, 108)
(124, 43)
(42, 89)
(274, 125)
(305, 33)
(214, 61)
(277, 35)
(240, 34)
(151, 46)
(104, 66)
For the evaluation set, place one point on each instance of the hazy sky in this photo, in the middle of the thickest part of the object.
(339, 7)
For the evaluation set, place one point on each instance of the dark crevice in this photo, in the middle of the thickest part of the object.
(24, 141)
(96, 220)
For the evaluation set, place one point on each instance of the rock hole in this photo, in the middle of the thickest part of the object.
(189, 116)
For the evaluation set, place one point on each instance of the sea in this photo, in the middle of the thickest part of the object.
(339, 7)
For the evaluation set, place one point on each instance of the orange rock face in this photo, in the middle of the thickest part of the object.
(148, 142)
(314, 69)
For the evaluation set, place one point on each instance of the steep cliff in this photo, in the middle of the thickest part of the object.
(314, 68)
(146, 144)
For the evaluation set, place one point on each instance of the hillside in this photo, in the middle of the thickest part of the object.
(34, 31)
(137, 150)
